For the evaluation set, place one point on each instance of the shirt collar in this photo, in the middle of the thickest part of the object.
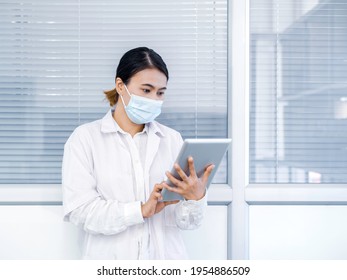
(109, 125)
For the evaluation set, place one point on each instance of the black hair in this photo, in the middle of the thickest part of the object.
(138, 59)
(134, 61)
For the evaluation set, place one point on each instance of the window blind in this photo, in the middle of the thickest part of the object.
(57, 58)
(298, 91)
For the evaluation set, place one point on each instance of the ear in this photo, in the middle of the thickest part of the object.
(119, 85)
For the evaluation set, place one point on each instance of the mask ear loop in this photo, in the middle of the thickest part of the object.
(127, 89)
(122, 96)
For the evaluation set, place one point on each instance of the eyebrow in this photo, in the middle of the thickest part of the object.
(151, 86)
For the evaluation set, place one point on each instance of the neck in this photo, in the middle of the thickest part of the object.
(124, 122)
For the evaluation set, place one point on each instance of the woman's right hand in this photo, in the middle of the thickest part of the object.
(153, 205)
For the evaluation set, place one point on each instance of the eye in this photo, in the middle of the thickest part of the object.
(146, 90)
(160, 93)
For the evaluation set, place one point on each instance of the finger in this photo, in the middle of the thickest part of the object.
(191, 167)
(172, 189)
(180, 172)
(207, 172)
(158, 196)
(157, 187)
(153, 195)
(156, 192)
(173, 180)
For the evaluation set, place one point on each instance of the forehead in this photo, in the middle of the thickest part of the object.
(150, 76)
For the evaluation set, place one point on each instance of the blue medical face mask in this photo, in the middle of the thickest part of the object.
(141, 110)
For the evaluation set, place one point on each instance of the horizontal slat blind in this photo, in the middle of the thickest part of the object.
(298, 86)
(57, 58)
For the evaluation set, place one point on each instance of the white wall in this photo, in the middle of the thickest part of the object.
(38, 232)
(298, 232)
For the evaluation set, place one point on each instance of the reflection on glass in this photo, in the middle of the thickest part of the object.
(298, 104)
(56, 60)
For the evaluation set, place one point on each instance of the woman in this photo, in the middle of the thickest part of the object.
(113, 171)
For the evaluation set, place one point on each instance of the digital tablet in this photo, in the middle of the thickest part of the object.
(204, 153)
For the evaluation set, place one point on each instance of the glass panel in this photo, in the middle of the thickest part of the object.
(298, 86)
(57, 58)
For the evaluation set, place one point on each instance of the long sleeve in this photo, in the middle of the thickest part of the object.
(83, 204)
(106, 216)
(189, 213)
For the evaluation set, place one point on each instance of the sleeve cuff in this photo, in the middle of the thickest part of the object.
(132, 213)
(200, 202)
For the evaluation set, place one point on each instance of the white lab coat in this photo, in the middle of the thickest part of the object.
(98, 191)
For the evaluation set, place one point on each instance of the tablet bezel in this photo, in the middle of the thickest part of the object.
(194, 147)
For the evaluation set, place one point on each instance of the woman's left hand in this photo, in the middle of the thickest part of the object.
(190, 187)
